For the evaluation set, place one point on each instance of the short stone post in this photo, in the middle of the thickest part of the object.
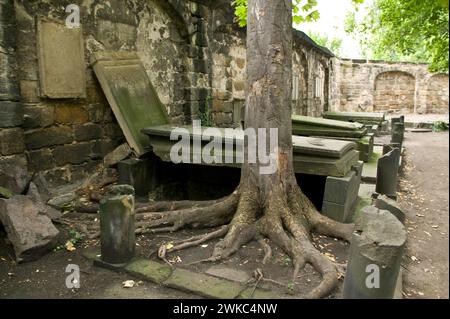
(376, 251)
(387, 173)
(117, 225)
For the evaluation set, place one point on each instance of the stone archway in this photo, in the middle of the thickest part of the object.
(320, 90)
(394, 90)
(438, 94)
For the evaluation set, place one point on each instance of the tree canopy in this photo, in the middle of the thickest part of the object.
(334, 44)
(407, 30)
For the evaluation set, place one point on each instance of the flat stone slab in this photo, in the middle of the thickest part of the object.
(31, 233)
(203, 285)
(301, 145)
(361, 117)
(311, 126)
(370, 168)
(228, 273)
(130, 94)
(61, 60)
(149, 270)
(322, 122)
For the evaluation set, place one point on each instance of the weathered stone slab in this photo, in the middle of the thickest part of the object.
(310, 126)
(387, 173)
(228, 273)
(370, 168)
(14, 177)
(34, 194)
(130, 94)
(303, 163)
(62, 68)
(203, 285)
(376, 249)
(117, 231)
(302, 145)
(323, 122)
(360, 117)
(149, 270)
(118, 154)
(31, 233)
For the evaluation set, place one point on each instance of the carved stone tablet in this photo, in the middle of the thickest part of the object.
(62, 69)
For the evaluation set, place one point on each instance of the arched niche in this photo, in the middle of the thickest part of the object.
(394, 90)
(300, 83)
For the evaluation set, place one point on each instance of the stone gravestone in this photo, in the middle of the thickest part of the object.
(62, 69)
(117, 230)
(376, 251)
(130, 94)
(387, 173)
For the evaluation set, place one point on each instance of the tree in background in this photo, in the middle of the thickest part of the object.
(334, 44)
(405, 30)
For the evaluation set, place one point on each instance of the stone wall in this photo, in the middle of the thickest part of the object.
(396, 87)
(194, 54)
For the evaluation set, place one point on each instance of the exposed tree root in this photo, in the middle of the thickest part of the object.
(285, 216)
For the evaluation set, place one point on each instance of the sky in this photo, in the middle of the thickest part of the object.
(332, 22)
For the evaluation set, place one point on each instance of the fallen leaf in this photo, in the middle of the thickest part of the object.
(414, 258)
(128, 284)
(69, 246)
(169, 246)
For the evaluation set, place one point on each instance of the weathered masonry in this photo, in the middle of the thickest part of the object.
(382, 86)
(54, 116)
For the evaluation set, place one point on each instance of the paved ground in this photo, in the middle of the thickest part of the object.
(425, 198)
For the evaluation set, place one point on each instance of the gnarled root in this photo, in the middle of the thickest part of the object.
(285, 216)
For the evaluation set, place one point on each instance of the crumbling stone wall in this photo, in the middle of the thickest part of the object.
(195, 56)
(398, 87)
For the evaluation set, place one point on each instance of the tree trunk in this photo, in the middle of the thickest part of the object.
(264, 205)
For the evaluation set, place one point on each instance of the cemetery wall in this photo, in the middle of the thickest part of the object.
(55, 119)
(396, 87)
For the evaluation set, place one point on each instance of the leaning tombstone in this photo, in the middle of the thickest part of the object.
(117, 229)
(387, 173)
(376, 251)
(398, 133)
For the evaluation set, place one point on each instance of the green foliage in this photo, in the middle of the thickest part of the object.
(408, 30)
(440, 126)
(75, 237)
(302, 11)
(334, 44)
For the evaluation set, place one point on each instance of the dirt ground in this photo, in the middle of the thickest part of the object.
(424, 196)
(425, 199)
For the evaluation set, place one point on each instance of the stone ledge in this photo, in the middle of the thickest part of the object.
(203, 285)
(181, 279)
